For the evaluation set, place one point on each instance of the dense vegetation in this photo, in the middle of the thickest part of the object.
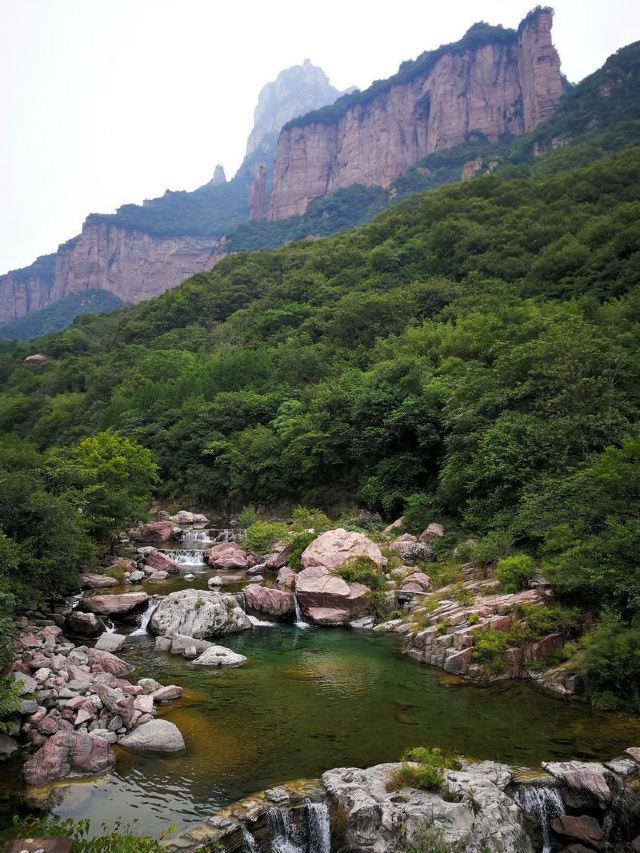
(59, 315)
(473, 352)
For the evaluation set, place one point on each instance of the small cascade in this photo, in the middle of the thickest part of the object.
(542, 802)
(241, 599)
(145, 619)
(109, 626)
(202, 536)
(319, 828)
(191, 558)
(285, 835)
(225, 536)
(249, 844)
(300, 830)
(300, 623)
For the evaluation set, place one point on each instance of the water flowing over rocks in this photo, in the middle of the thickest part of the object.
(481, 807)
(198, 613)
(336, 547)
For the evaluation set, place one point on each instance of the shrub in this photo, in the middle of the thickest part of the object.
(611, 664)
(263, 535)
(426, 770)
(417, 513)
(248, 516)
(488, 650)
(362, 570)
(514, 573)
(541, 621)
(493, 547)
(429, 840)
(304, 519)
(298, 545)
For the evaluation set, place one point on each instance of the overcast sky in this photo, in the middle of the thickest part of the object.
(104, 102)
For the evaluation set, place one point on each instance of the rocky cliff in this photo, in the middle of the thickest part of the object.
(494, 82)
(143, 250)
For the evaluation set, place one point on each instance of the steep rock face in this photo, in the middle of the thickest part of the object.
(130, 264)
(133, 265)
(477, 87)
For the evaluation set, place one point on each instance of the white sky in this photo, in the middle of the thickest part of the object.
(104, 102)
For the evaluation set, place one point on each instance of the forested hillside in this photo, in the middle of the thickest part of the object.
(58, 315)
(471, 355)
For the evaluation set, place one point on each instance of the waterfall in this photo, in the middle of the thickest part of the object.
(543, 802)
(261, 623)
(192, 558)
(203, 536)
(300, 623)
(319, 828)
(249, 844)
(109, 626)
(145, 619)
(300, 830)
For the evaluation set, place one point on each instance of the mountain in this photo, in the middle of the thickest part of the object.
(59, 314)
(143, 250)
(493, 83)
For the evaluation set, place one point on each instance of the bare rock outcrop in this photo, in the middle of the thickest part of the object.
(196, 613)
(491, 88)
(336, 547)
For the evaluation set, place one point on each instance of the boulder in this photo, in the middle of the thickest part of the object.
(336, 547)
(377, 820)
(273, 602)
(85, 624)
(228, 555)
(431, 532)
(91, 581)
(412, 551)
(416, 582)
(198, 613)
(68, 754)
(280, 559)
(215, 581)
(159, 736)
(396, 526)
(106, 662)
(179, 642)
(115, 605)
(137, 576)
(122, 563)
(26, 684)
(186, 517)
(166, 694)
(317, 591)
(160, 562)
(158, 576)
(110, 642)
(8, 747)
(286, 577)
(154, 531)
(219, 656)
(583, 828)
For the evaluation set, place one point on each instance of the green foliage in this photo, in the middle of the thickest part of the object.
(416, 513)
(429, 840)
(610, 664)
(541, 621)
(362, 570)
(60, 314)
(119, 838)
(514, 573)
(491, 548)
(304, 519)
(247, 516)
(263, 535)
(298, 545)
(112, 479)
(428, 775)
(488, 650)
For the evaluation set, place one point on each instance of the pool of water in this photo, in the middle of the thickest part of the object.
(313, 699)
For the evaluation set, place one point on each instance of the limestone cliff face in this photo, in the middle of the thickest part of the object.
(132, 265)
(505, 85)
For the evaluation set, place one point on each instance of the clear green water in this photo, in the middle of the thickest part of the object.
(313, 699)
